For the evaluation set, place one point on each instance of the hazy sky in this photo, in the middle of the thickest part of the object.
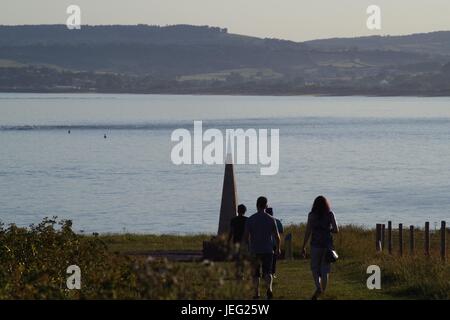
(287, 19)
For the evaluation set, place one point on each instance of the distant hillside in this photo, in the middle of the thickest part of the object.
(166, 51)
(24, 35)
(203, 59)
(433, 43)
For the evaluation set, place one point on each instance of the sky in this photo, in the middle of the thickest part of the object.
(297, 20)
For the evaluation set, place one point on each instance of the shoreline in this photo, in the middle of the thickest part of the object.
(316, 95)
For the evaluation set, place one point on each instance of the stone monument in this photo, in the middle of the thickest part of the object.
(229, 195)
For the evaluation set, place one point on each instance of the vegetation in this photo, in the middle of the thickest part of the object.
(412, 276)
(33, 264)
(125, 243)
(185, 59)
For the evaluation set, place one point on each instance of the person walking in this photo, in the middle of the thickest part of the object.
(237, 229)
(321, 224)
(237, 226)
(260, 231)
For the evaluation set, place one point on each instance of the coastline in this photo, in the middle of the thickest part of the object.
(318, 95)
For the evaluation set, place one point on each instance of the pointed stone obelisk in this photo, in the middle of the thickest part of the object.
(229, 194)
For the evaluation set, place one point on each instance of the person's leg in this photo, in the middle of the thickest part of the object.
(274, 264)
(256, 275)
(256, 287)
(239, 261)
(316, 260)
(315, 267)
(269, 281)
(267, 264)
(324, 281)
(324, 271)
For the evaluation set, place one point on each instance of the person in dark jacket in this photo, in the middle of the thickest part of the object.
(321, 224)
(280, 231)
(237, 228)
(237, 225)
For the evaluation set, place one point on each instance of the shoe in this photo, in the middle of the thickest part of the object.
(269, 295)
(316, 295)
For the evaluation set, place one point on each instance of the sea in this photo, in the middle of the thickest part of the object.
(104, 160)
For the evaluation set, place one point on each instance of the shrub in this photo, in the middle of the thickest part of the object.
(33, 264)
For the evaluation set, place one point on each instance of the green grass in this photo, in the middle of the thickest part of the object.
(294, 281)
(245, 73)
(33, 263)
(131, 243)
(407, 277)
(5, 63)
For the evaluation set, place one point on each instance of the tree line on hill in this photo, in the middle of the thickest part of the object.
(208, 60)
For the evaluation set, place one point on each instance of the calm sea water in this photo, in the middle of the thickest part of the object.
(375, 158)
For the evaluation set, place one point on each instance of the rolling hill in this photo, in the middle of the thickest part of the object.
(203, 59)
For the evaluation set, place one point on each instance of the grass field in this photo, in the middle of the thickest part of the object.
(4, 63)
(34, 262)
(244, 73)
(407, 277)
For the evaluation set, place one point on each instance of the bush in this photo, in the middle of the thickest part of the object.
(33, 264)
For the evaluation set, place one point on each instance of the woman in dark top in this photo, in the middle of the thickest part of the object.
(321, 224)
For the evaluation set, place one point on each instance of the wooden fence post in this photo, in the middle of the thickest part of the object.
(443, 240)
(378, 238)
(288, 254)
(400, 238)
(411, 240)
(383, 236)
(427, 238)
(390, 237)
